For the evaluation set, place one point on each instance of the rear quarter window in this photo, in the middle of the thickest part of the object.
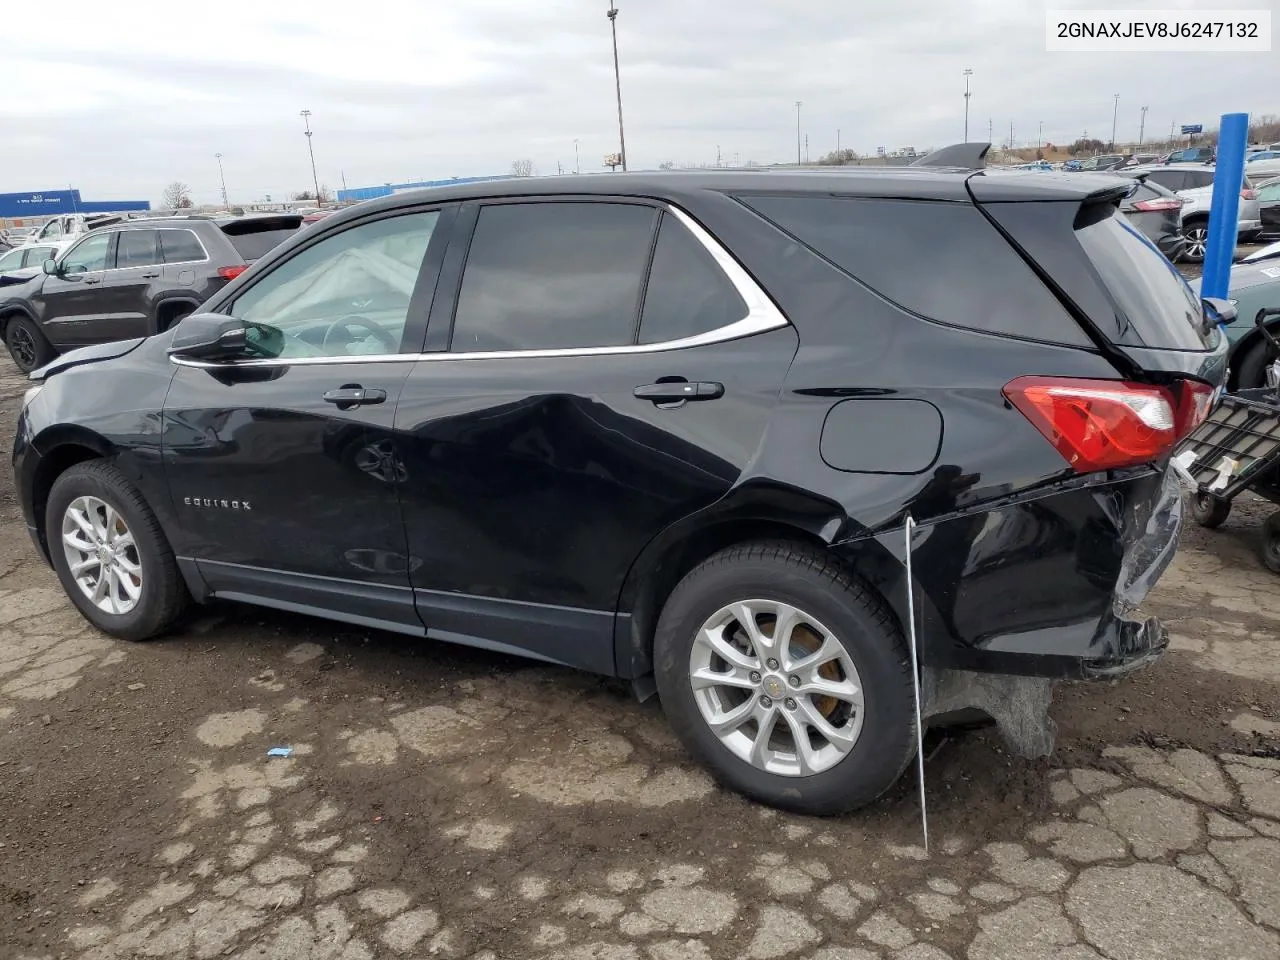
(942, 261)
(1156, 305)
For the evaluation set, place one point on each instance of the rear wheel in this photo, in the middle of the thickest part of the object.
(1209, 511)
(1270, 548)
(788, 677)
(110, 554)
(27, 344)
(1197, 235)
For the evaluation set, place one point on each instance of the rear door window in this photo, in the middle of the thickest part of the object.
(936, 259)
(1198, 178)
(1157, 306)
(688, 293)
(553, 275)
(180, 246)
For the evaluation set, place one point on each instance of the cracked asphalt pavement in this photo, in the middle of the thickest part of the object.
(442, 802)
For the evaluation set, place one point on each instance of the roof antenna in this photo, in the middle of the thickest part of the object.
(966, 156)
(915, 680)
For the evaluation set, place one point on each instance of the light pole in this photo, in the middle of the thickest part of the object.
(617, 84)
(1115, 113)
(837, 143)
(799, 103)
(1040, 140)
(306, 119)
(1142, 126)
(577, 157)
(968, 72)
(223, 178)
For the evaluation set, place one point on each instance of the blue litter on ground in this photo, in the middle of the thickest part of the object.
(280, 752)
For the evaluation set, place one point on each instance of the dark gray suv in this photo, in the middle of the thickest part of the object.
(133, 279)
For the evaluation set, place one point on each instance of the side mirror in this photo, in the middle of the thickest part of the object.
(208, 336)
(1224, 310)
(51, 267)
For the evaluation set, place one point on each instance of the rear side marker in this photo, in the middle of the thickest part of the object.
(1104, 424)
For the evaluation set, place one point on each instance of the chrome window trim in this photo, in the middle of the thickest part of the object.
(762, 316)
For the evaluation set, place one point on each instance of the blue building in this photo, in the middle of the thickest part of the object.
(48, 203)
(357, 194)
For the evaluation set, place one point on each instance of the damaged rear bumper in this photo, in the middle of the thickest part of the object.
(1048, 587)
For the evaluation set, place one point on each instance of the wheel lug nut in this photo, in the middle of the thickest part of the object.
(794, 681)
(766, 702)
(791, 704)
(755, 677)
(773, 664)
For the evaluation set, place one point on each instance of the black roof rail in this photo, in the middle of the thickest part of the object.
(968, 156)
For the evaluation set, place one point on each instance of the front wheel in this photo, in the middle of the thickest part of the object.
(788, 677)
(1209, 511)
(27, 344)
(110, 554)
(1197, 236)
(1271, 543)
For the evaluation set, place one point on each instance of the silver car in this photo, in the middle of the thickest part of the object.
(1193, 183)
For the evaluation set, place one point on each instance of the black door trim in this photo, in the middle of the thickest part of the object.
(373, 605)
(569, 636)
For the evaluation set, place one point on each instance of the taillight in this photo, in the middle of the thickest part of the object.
(230, 273)
(1195, 401)
(1247, 194)
(1102, 424)
(1160, 203)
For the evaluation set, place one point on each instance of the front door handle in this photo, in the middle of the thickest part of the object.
(353, 395)
(89, 278)
(679, 391)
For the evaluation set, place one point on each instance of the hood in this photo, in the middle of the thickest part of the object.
(90, 354)
(1244, 275)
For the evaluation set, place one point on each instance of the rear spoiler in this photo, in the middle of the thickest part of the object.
(965, 156)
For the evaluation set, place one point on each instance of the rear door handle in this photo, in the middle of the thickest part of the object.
(151, 275)
(678, 391)
(354, 395)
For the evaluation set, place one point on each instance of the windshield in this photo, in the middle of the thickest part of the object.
(1161, 309)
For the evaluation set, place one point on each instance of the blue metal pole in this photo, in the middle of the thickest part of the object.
(1233, 138)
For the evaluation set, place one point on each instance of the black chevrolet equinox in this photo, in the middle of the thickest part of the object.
(673, 428)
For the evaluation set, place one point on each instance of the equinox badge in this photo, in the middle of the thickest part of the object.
(215, 502)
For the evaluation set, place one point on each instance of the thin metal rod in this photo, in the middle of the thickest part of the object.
(915, 680)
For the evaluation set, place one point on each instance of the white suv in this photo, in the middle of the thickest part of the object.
(1193, 182)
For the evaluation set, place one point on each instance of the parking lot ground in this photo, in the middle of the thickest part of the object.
(441, 802)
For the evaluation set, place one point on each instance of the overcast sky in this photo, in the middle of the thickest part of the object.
(120, 98)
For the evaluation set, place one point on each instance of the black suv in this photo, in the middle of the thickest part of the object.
(673, 428)
(133, 279)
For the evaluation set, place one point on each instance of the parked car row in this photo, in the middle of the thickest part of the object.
(132, 279)
(1193, 184)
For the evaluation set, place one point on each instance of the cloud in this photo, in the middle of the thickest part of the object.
(128, 96)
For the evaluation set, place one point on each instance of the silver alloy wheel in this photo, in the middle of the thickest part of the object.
(102, 555)
(777, 687)
(1197, 239)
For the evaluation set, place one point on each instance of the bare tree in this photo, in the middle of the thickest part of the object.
(177, 196)
(667, 165)
(522, 168)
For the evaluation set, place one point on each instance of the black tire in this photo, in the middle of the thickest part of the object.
(1209, 511)
(1196, 233)
(27, 345)
(163, 596)
(1270, 548)
(808, 579)
(1252, 371)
